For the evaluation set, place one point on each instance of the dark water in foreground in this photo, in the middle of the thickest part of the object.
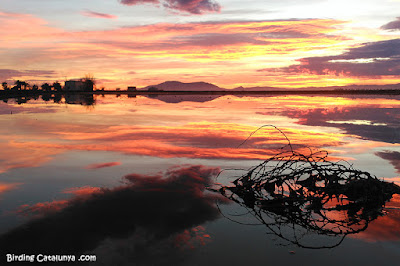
(128, 179)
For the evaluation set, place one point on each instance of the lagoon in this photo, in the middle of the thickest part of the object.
(127, 178)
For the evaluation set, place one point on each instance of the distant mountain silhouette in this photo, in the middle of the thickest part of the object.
(204, 86)
(181, 86)
(348, 87)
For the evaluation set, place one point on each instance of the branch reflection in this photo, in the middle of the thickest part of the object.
(300, 197)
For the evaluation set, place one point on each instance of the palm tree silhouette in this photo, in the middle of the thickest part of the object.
(21, 84)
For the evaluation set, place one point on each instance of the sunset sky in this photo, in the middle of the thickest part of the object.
(229, 43)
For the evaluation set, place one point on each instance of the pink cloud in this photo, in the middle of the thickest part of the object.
(14, 26)
(81, 191)
(98, 15)
(42, 208)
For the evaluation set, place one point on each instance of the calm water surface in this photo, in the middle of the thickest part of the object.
(126, 178)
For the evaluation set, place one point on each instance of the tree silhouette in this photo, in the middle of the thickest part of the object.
(18, 84)
(25, 85)
(57, 86)
(89, 82)
(5, 86)
(46, 87)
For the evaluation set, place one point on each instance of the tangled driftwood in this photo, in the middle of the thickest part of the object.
(310, 195)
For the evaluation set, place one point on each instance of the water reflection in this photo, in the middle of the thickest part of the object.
(156, 207)
(373, 122)
(300, 196)
(183, 98)
(56, 151)
(82, 99)
(392, 156)
(193, 140)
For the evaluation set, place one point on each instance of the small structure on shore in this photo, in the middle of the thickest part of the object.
(74, 85)
(79, 85)
(131, 88)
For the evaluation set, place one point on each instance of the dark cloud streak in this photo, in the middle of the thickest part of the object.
(102, 165)
(98, 15)
(392, 156)
(393, 25)
(383, 122)
(6, 74)
(196, 7)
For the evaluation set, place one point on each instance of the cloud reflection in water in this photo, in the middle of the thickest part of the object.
(372, 123)
(158, 206)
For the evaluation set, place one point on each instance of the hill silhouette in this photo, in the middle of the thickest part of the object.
(181, 86)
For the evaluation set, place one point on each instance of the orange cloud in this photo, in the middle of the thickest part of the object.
(256, 52)
(4, 187)
(163, 38)
(164, 49)
(21, 156)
